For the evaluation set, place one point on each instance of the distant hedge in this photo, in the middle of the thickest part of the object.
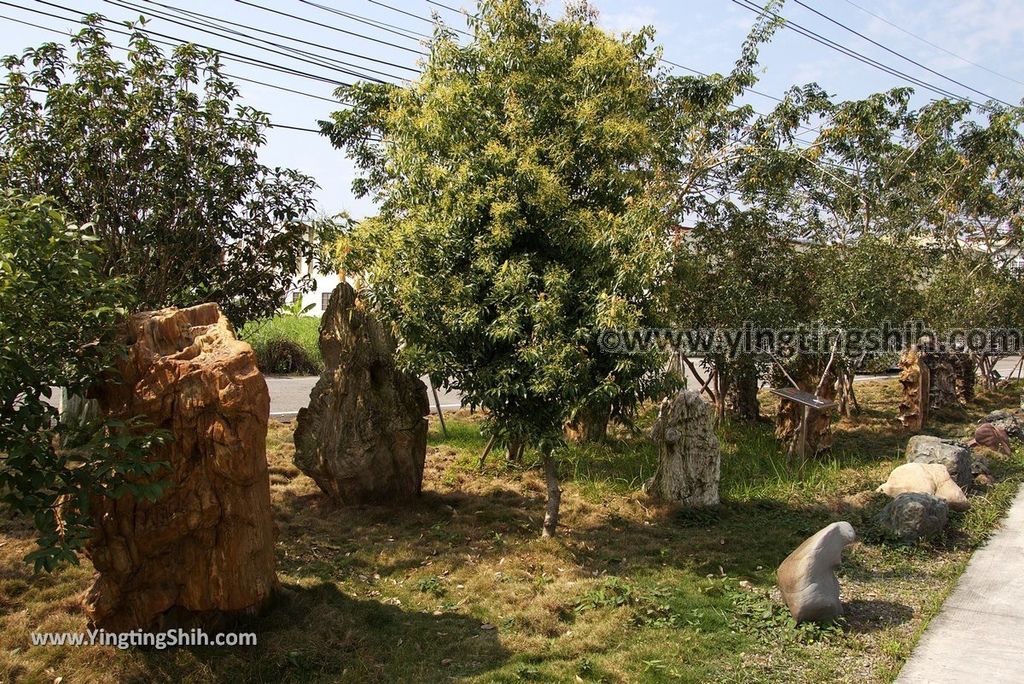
(286, 345)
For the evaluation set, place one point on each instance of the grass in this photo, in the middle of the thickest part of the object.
(285, 344)
(461, 587)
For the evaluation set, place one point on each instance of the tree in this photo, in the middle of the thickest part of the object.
(156, 156)
(975, 281)
(522, 181)
(738, 268)
(59, 320)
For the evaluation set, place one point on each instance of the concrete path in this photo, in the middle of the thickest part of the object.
(977, 635)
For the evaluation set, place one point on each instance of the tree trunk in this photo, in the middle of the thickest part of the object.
(742, 402)
(590, 424)
(848, 404)
(554, 495)
(515, 451)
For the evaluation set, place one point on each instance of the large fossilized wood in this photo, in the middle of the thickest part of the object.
(689, 459)
(933, 380)
(914, 378)
(206, 548)
(363, 438)
(807, 578)
(966, 376)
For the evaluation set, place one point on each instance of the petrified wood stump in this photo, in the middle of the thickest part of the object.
(947, 378)
(206, 548)
(363, 438)
(689, 458)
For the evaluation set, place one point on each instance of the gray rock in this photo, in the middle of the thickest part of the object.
(954, 456)
(807, 577)
(1007, 421)
(912, 516)
(689, 459)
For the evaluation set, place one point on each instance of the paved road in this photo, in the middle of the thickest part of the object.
(976, 637)
(290, 393)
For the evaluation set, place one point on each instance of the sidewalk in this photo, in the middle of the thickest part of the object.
(977, 635)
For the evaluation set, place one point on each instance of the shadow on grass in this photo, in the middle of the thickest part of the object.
(318, 633)
(863, 616)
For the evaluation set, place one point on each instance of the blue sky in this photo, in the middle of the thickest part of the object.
(701, 34)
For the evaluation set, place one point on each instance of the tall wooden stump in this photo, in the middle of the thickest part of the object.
(206, 548)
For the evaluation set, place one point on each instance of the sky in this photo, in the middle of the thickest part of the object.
(974, 42)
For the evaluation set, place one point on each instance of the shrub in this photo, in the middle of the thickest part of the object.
(286, 344)
(59, 322)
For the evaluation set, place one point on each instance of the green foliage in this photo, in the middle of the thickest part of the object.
(153, 151)
(59, 319)
(286, 344)
(522, 181)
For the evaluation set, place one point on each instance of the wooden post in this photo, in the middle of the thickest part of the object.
(803, 436)
(924, 392)
(440, 414)
(487, 450)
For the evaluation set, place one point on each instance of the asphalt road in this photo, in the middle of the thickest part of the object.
(289, 393)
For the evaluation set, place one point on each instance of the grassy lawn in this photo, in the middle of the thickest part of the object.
(461, 586)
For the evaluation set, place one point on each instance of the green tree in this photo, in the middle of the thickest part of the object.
(59, 320)
(153, 152)
(522, 182)
(738, 267)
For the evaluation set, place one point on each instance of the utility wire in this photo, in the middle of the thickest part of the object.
(247, 27)
(934, 45)
(332, 28)
(827, 42)
(320, 61)
(270, 124)
(899, 54)
(239, 59)
(408, 34)
(252, 61)
(450, 8)
(414, 16)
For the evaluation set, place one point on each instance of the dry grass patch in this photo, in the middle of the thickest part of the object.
(461, 587)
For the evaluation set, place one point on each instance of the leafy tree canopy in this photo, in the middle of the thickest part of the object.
(154, 153)
(522, 181)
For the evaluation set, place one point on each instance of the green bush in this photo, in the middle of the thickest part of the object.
(286, 344)
(60, 317)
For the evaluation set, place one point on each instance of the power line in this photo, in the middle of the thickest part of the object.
(285, 70)
(827, 42)
(332, 28)
(899, 54)
(408, 34)
(287, 37)
(316, 60)
(251, 61)
(269, 124)
(414, 16)
(934, 45)
(450, 8)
